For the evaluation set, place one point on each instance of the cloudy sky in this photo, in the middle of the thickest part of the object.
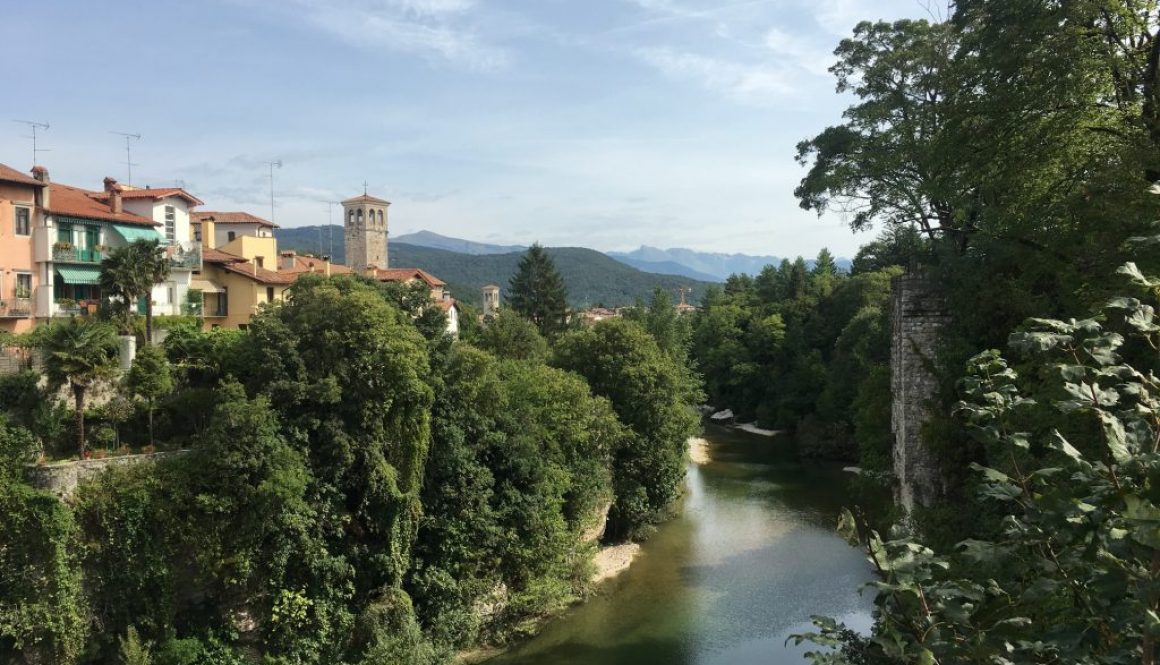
(599, 123)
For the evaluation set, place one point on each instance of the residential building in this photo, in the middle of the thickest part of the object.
(439, 293)
(235, 280)
(77, 230)
(170, 209)
(228, 226)
(20, 213)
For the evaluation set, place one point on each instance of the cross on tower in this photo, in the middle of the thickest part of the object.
(364, 187)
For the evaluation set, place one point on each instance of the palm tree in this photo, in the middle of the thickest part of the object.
(131, 271)
(79, 353)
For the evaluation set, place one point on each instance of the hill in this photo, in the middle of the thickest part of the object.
(436, 241)
(717, 265)
(591, 277)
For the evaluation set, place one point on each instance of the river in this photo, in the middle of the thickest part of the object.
(751, 557)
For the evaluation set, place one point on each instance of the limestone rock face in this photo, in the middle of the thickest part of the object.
(918, 313)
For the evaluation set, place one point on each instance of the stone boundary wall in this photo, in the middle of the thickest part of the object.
(63, 478)
(918, 313)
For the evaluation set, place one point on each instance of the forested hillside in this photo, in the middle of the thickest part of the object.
(592, 278)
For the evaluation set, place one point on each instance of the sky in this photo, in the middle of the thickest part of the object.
(598, 123)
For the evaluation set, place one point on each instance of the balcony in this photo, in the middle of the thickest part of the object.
(16, 308)
(63, 252)
(184, 255)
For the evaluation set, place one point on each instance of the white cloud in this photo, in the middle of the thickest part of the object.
(753, 83)
(431, 28)
(812, 55)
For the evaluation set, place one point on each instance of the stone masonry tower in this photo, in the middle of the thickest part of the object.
(365, 222)
(490, 300)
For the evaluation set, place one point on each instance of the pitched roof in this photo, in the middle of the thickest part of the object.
(260, 275)
(366, 198)
(230, 218)
(218, 256)
(9, 174)
(156, 194)
(77, 202)
(314, 264)
(447, 303)
(406, 275)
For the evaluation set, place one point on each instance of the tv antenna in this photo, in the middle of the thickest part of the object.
(129, 138)
(272, 164)
(330, 225)
(33, 126)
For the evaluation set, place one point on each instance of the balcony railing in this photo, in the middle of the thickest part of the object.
(184, 256)
(68, 254)
(16, 308)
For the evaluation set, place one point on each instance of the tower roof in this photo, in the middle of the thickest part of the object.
(366, 198)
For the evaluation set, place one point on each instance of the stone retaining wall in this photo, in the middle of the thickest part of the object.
(63, 478)
(918, 313)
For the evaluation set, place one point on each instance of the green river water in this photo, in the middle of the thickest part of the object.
(751, 557)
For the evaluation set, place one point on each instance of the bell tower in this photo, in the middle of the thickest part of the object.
(365, 224)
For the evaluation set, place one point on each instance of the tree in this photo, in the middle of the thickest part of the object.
(537, 292)
(79, 353)
(130, 272)
(509, 336)
(883, 164)
(150, 377)
(649, 392)
(1070, 573)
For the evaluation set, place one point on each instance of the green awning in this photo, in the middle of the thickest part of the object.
(131, 233)
(79, 274)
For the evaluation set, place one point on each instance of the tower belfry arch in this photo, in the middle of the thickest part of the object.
(364, 220)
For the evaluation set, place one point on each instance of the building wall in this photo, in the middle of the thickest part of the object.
(918, 314)
(222, 233)
(244, 295)
(365, 235)
(252, 247)
(170, 296)
(16, 255)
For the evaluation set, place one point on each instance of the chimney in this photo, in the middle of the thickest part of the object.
(207, 233)
(41, 174)
(114, 191)
(286, 261)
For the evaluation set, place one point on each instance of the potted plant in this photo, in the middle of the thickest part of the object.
(62, 246)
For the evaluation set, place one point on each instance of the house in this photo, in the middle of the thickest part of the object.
(229, 226)
(439, 292)
(239, 277)
(20, 212)
(170, 208)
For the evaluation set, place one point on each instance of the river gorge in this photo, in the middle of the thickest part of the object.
(752, 555)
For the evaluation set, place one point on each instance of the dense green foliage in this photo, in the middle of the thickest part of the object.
(79, 353)
(129, 273)
(357, 488)
(805, 350)
(536, 292)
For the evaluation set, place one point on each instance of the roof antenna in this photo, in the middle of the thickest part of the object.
(364, 187)
(277, 163)
(128, 153)
(34, 126)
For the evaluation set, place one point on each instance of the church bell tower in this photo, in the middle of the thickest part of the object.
(365, 224)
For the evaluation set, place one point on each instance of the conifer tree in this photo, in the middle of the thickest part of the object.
(538, 293)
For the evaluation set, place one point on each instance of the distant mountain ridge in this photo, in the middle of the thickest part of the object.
(678, 262)
(592, 278)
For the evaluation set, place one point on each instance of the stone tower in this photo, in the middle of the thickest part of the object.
(365, 222)
(490, 300)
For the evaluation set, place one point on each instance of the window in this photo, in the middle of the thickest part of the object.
(230, 236)
(171, 224)
(197, 232)
(23, 285)
(23, 221)
(269, 294)
(260, 261)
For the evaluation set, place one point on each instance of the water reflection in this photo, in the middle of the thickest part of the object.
(750, 559)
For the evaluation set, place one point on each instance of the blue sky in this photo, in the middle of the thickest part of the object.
(598, 123)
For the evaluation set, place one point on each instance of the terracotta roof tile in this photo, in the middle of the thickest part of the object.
(77, 202)
(314, 264)
(406, 275)
(260, 275)
(218, 256)
(231, 218)
(156, 194)
(9, 174)
(366, 198)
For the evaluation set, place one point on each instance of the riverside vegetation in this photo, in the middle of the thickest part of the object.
(357, 487)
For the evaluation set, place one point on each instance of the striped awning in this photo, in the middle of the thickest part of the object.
(131, 233)
(79, 274)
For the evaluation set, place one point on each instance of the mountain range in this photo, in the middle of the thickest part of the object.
(611, 278)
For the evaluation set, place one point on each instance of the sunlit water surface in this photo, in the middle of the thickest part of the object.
(752, 556)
